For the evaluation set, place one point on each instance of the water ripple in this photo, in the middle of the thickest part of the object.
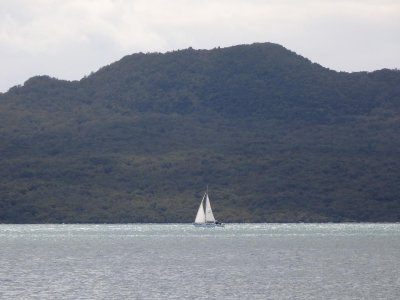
(178, 261)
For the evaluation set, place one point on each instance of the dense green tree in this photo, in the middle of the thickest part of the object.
(276, 137)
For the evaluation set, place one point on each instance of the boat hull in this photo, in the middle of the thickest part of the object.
(208, 225)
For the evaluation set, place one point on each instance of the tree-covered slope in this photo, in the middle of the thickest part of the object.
(276, 138)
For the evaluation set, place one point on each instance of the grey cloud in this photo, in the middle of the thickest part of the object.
(71, 38)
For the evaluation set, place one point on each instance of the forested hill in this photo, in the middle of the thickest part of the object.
(276, 137)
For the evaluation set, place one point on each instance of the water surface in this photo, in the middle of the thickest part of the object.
(175, 261)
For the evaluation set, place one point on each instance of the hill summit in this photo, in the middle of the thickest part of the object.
(276, 137)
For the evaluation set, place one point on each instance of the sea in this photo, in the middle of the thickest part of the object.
(179, 261)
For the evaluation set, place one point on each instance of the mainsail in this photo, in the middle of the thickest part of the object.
(200, 217)
(209, 217)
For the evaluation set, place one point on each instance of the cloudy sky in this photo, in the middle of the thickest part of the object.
(68, 39)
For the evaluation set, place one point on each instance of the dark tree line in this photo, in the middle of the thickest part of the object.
(276, 137)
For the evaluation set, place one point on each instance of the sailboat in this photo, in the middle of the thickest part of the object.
(205, 218)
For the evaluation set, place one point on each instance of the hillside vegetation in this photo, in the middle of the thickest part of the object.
(276, 137)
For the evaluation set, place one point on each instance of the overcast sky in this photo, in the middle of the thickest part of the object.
(68, 39)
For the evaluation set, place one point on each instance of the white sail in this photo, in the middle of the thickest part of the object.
(209, 217)
(200, 217)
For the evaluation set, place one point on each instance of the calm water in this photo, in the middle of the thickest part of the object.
(247, 261)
